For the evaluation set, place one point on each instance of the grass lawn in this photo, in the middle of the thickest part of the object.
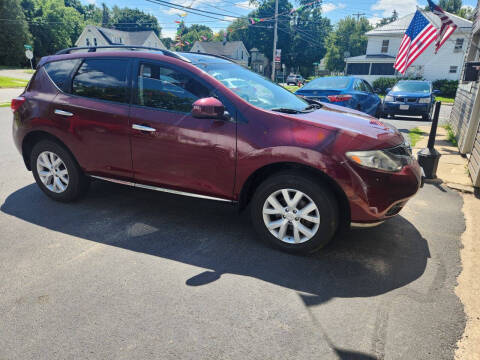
(445, 99)
(8, 82)
(6, 104)
(291, 88)
(415, 135)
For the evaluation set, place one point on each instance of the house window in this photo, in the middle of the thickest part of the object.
(358, 68)
(453, 69)
(458, 45)
(385, 44)
(88, 42)
(382, 69)
(95, 41)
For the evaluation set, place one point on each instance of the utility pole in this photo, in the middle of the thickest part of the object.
(275, 40)
(358, 15)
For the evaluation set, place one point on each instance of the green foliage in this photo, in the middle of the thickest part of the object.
(415, 135)
(348, 36)
(48, 38)
(383, 83)
(13, 34)
(451, 6)
(448, 88)
(195, 33)
(450, 135)
(388, 20)
(133, 20)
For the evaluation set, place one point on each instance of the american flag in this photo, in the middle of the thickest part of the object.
(447, 28)
(419, 35)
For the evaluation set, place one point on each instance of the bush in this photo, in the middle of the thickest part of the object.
(447, 88)
(383, 83)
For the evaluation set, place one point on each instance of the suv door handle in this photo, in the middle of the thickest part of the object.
(63, 112)
(143, 128)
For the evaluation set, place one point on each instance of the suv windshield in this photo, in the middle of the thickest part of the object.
(252, 87)
(413, 86)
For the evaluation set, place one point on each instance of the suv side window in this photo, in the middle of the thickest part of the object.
(104, 79)
(167, 89)
(59, 71)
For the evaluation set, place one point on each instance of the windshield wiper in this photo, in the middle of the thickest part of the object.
(286, 110)
(313, 106)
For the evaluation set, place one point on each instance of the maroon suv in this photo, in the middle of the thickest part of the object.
(202, 126)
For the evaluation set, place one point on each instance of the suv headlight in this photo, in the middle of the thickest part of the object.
(386, 160)
(424, 100)
(388, 98)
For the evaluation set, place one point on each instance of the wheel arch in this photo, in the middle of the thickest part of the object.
(261, 174)
(33, 138)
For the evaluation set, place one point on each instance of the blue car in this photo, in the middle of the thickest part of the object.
(410, 97)
(348, 91)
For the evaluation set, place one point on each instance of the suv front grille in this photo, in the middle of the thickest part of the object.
(402, 150)
(406, 99)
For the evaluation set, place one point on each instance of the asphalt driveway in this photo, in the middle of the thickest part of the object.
(133, 274)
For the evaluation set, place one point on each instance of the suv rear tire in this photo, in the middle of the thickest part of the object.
(303, 224)
(56, 172)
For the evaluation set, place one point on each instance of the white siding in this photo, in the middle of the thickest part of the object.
(374, 45)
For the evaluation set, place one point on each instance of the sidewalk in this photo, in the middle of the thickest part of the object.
(452, 172)
(6, 95)
(452, 167)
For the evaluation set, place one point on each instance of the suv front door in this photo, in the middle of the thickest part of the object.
(171, 148)
(94, 109)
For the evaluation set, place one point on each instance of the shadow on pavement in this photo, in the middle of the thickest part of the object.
(215, 237)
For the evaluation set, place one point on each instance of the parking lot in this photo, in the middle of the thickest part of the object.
(133, 274)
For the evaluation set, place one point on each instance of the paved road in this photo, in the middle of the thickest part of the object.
(130, 274)
(405, 123)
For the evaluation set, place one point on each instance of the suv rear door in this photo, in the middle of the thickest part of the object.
(95, 109)
(177, 150)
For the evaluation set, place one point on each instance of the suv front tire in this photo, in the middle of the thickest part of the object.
(294, 213)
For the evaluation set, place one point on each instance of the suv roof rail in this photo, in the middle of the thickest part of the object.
(128, 47)
(214, 55)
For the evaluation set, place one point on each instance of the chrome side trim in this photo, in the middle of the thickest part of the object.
(63, 112)
(170, 191)
(143, 128)
(366, 225)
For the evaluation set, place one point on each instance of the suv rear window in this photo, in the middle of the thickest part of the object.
(104, 79)
(59, 71)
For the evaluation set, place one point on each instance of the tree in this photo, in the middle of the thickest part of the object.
(194, 33)
(14, 33)
(451, 6)
(388, 20)
(348, 38)
(55, 27)
(466, 12)
(134, 20)
(105, 15)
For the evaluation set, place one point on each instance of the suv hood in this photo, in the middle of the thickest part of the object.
(408, 94)
(369, 132)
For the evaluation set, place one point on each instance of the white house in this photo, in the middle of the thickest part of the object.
(384, 42)
(234, 50)
(98, 36)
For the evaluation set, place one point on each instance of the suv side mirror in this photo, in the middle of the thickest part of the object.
(208, 108)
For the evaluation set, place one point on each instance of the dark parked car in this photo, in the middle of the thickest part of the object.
(165, 121)
(410, 97)
(347, 91)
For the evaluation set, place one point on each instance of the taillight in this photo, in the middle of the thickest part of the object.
(339, 98)
(16, 103)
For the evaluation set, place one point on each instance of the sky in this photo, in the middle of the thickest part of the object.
(334, 10)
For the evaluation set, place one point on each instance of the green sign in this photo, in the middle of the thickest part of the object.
(28, 47)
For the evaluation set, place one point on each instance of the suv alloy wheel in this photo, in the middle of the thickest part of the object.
(294, 213)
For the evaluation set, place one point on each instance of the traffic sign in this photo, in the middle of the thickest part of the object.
(29, 54)
(28, 47)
